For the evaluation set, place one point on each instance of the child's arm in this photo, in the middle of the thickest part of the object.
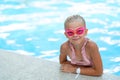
(97, 68)
(66, 65)
(63, 55)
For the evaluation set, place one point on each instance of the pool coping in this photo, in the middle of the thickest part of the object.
(14, 66)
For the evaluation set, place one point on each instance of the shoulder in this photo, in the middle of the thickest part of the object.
(64, 45)
(64, 50)
(92, 49)
(91, 45)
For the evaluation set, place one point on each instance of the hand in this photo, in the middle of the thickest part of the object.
(67, 68)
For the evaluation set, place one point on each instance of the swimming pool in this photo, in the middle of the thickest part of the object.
(35, 27)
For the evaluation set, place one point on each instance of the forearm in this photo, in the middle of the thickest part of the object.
(90, 71)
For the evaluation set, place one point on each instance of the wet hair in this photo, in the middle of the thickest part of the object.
(73, 18)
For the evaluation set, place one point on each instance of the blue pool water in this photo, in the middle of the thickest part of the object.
(35, 27)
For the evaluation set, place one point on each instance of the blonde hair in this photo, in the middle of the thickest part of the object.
(73, 18)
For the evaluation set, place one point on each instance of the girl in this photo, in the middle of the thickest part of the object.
(79, 54)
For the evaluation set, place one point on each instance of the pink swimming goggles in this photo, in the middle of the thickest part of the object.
(78, 31)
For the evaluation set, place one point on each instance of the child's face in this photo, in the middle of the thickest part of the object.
(75, 31)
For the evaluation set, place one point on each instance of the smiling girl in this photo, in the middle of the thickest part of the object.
(79, 54)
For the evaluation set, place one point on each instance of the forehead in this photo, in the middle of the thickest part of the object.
(74, 25)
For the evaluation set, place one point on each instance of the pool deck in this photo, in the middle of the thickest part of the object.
(14, 66)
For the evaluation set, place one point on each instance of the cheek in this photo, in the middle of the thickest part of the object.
(83, 35)
(69, 37)
(66, 35)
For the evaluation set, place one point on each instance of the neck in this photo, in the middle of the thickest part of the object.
(78, 45)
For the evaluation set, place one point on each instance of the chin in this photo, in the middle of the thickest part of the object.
(76, 41)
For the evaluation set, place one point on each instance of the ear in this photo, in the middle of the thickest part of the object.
(86, 31)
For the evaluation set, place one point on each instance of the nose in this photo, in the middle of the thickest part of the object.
(75, 35)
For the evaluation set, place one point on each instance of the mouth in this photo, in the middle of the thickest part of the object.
(75, 39)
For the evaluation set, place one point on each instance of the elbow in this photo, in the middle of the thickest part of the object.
(61, 62)
(99, 73)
